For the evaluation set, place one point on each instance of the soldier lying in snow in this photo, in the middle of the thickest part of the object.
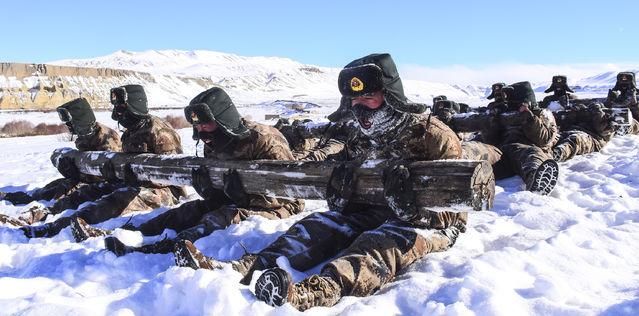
(584, 135)
(527, 140)
(374, 243)
(226, 136)
(92, 136)
(144, 134)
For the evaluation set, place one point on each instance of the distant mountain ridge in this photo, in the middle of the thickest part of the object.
(173, 77)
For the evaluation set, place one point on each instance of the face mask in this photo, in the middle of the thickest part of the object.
(129, 120)
(378, 122)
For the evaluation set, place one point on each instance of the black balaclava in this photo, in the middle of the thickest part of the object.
(214, 105)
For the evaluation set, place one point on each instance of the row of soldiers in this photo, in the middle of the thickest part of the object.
(362, 246)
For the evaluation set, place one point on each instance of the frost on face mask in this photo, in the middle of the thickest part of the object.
(383, 121)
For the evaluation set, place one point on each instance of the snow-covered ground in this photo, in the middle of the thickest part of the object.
(575, 252)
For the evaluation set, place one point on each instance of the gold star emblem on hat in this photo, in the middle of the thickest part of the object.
(194, 117)
(357, 84)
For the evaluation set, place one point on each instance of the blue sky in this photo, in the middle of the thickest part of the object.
(330, 33)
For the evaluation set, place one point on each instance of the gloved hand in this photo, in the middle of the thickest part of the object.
(108, 172)
(398, 192)
(202, 182)
(341, 187)
(130, 178)
(234, 189)
(67, 167)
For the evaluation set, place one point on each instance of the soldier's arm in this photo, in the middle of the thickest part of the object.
(274, 148)
(440, 142)
(324, 151)
(166, 142)
(541, 128)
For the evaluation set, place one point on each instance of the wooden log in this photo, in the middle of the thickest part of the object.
(566, 119)
(442, 185)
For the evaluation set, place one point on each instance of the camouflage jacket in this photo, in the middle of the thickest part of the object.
(154, 136)
(424, 137)
(536, 127)
(263, 142)
(103, 139)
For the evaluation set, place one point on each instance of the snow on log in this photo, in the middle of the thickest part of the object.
(442, 185)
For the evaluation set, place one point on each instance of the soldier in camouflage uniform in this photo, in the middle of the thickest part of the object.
(144, 134)
(226, 136)
(310, 141)
(624, 95)
(584, 136)
(561, 94)
(527, 141)
(374, 242)
(471, 149)
(92, 136)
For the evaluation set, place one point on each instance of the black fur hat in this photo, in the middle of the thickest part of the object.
(452, 107)
(372, 73)
(559, 82)
(215, 105)
(496, 88)
(520, 92)
(625, 78)
(79, 114)
(134, 96)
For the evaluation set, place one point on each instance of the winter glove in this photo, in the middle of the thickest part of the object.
(398, 192)
(234, 189)
(130, 178)
(67, 167)
(341, 187)
(202, 183)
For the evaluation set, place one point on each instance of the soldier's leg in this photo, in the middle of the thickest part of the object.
(574, 143)
(473, 150)
(56, 189)
(536, 167)
(373, 259)
(86, 193)
(178, 219)
(308, 242)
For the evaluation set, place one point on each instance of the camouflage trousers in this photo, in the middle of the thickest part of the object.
(195, 219)
(55, 189)
(474, 150)
(116, 199)
(372, 245)
(524, 159)
(575, 142)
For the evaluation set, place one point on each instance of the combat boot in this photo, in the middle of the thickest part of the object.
(116, 246)
(45, 230)
(120, 249)
(6, 219)
(82, 231)
(16, 198)
(275, 287)
(187, 255)
(544, 179)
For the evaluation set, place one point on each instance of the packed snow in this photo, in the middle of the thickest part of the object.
(571, 253)
(575, 252)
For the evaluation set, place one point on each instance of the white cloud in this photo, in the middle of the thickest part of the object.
(489, 74)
